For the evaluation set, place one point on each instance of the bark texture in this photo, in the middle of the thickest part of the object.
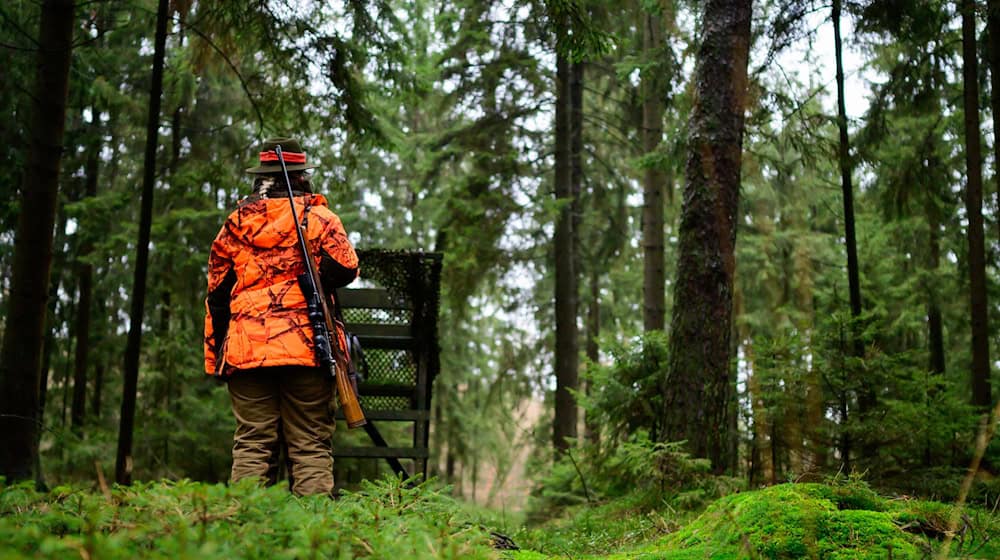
(123, 460)
(980, 381)
(698, 386)
(20, 356)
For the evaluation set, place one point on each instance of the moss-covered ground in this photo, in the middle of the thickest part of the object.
(837, 522)
(389, 520)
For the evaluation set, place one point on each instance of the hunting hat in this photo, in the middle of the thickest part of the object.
(291, 151)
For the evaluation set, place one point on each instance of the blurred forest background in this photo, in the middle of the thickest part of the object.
(544, 147)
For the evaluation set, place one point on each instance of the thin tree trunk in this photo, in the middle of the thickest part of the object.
(763, 456)
(55, 285)
(123, 460)
(935, 327)
(846, 442)
(66, 383)
(763, 442)
(847, 188)
(566, 358)
(980, 381)
(697, 388)
(95, 405)
(793, 439)
(993, 34)
(846, 171)
(576, 159)
(20, 356)
(653, 183)
(866, 395)
(86, 277)
(591, 430)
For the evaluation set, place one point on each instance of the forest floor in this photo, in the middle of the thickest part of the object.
(386, 519)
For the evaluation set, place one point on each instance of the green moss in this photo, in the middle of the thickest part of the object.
(526, 555)
(796, 521)
(859, 533)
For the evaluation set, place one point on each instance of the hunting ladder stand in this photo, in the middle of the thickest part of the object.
(394, 315)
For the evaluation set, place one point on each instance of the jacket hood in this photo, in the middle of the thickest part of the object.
(267, 222)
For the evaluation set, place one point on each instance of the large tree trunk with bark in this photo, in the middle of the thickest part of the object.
(980, 381)
(698, 388)
(653, 182)
(20, 356)
(123, 460)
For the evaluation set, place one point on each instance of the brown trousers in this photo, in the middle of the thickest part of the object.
(295, 403)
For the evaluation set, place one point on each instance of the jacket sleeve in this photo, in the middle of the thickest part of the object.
(221, 279)
(338, 264)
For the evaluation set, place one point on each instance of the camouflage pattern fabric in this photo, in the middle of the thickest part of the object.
(268, 325)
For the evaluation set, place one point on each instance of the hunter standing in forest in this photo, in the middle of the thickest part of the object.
(257, 333)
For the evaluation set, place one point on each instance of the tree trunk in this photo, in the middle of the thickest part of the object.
(576, 160)
(847, 188)
(993, 35)
(762, 440)
(866, 396)
(591, 430)
(123, 460)
(86, 278)
(935, 327)
(980, 381)
(566, 351)
(653, 276)
(846, 171)
(697, 388)
(20, 356)
(95, 404)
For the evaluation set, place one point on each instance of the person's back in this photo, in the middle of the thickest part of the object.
(257, 335)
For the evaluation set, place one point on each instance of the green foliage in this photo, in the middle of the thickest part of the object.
(431, 120)
(639, 473)
(386, 519)
(595, 530)
(626, 394)
(391, 519)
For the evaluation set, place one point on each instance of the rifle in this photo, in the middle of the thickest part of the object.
(326, 339)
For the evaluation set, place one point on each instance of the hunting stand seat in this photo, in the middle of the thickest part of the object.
(394, 317)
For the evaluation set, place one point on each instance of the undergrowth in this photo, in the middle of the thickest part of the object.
(178, 520)
(842, 519)
(389, 519)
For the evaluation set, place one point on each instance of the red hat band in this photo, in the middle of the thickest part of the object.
(290, 157)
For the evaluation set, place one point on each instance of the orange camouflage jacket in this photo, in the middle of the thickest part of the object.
(255, 310)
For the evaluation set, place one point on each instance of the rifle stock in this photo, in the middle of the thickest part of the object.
(347, 394)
